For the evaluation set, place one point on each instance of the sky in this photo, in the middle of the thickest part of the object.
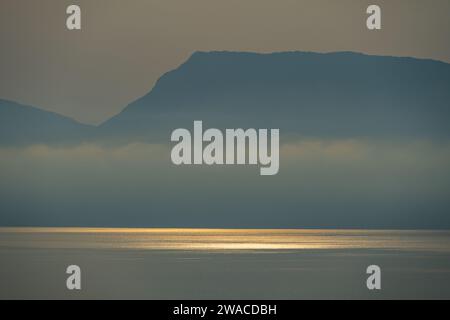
(124, 47)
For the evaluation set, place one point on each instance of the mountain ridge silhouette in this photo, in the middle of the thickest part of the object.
(22, 124)
(338, 94)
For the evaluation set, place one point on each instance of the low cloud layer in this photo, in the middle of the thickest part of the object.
(321, 183)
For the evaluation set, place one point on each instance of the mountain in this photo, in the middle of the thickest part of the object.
(341, 94)
(306, 94)
(24, 125)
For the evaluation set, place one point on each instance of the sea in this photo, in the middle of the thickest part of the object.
(156, 263)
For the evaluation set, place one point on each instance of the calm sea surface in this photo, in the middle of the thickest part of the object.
(223, 264)
(222, 239)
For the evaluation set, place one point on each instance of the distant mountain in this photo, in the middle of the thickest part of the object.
(310, 94)
(24, 125)
(305, 94)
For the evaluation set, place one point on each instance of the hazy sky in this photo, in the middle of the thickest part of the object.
(124, 46)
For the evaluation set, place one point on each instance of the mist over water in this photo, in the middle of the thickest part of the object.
(352, 183)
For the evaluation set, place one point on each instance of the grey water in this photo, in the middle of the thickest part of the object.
(137, 263)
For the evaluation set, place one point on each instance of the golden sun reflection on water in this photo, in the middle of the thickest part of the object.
(222, 239)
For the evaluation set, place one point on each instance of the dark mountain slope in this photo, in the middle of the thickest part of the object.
(335, 95)
(24, 125)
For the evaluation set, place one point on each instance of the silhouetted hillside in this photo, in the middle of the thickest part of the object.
(306, 94)
(23, 125)
(312, 94)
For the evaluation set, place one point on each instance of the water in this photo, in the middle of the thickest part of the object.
(223, 263)
(222, 239)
